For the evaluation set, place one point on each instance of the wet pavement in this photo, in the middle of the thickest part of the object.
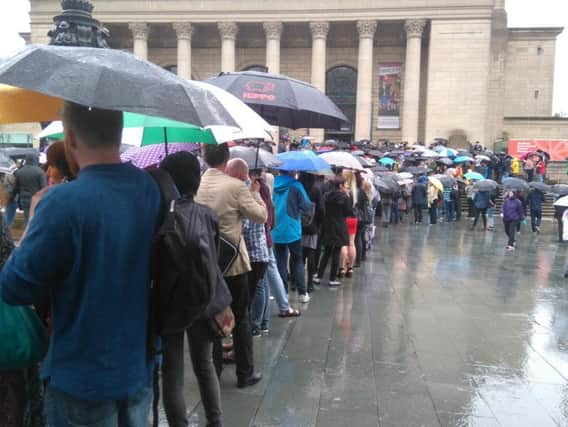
(440, 327)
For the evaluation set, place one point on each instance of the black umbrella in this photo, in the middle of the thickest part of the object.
(283, 101)
(446, 180)
(386, 184)
(114, 80)
(415, 170)
(541, 186)
(516, 184)
(256, 158)
(560, 189)
(445, 161)
(485, 185)
(366, 163)
(376, 153)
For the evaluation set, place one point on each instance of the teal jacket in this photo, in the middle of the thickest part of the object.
(290, 201)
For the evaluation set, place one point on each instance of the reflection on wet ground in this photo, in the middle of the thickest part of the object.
(441, 327)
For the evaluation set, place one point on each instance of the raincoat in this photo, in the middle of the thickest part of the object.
(290, 200)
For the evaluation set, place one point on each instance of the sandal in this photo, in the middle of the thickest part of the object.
(292, 312)
(349, 272)
(341, 273)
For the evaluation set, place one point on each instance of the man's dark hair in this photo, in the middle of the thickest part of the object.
(216, 155)
(94, 127)
(185, 170)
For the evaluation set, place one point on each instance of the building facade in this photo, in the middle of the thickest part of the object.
(409, 70)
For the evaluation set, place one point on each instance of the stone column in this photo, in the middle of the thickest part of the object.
(273, 31)
(411, 99)
(184, 31)
(140, 36)
(319, 46)
(228, 32)
(363, 121)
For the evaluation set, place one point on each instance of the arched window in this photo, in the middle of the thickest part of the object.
(260, 68)
(341, 87)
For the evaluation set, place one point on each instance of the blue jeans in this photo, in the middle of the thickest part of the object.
(536, 218)
(490, 217)
(64, 410)
(281, 251)
(449, 207)
(261, 304)
(10, 212)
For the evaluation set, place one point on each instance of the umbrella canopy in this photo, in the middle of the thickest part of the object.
(386, 184)
(302, 161)
(20, 105)
(387, 161)
(418, 148)
(415, 170)
(474, 176)
(516, 184)
(429, 154)
(283, 101)
(541, 186)
(403, 175)
(463, 159)
(483, 157)
(446, 180)
(376, 153)
(152, 155)
(445, 152)
(256, 158)
(365, 162)
(560, 189)
(342, 159)
(485, 185)
(436, 183)
(114, 80)
(445, 161)
(562, 202)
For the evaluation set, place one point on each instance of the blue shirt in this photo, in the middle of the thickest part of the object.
(87, 252)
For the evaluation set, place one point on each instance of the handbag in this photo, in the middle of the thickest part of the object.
(222, 323)
(22, 337)
(228, 253)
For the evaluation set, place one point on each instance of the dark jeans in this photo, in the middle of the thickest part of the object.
(296, 262)
(530, 175)
(470, 208)
(332, 252)
(449, 210)
(536, 218)
(64, 410)
(361, 244)
(258, 271)
(511, 230)
(242, 334)
(433, 214)
(418, 213)
(483, 213)
(201, 352)
(457, 209)
(309, 259)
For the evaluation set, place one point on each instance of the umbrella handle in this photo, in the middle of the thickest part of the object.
(257, 153)
(166, 141)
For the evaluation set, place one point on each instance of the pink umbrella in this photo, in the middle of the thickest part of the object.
(152, 155)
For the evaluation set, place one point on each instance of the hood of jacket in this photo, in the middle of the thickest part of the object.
(31, 160)
(283, 183)
(335, 197)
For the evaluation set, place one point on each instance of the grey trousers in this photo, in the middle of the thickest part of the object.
(201, 353)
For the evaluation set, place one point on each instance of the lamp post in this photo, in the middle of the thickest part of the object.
(76, 26)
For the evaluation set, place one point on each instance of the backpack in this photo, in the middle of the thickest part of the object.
(184, 263)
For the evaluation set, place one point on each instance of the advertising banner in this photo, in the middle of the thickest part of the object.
(389, 96)
(556, 148)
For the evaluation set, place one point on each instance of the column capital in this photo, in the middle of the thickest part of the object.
(414, 28)
(139, 30)
(184, 30)
(366, 29)
(319, 29)
(273, 30)
(228, 30)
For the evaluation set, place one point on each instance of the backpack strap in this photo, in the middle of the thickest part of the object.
(168, 190)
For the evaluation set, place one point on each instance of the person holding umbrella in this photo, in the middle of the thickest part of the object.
(482, 202)
(419, 196)
(513, 213)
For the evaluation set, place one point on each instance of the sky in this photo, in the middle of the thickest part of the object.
(14, 18)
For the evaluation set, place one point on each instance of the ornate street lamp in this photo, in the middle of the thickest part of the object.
(76, 26)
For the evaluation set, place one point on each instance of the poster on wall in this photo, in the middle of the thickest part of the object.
(389, 96)
(556, 148)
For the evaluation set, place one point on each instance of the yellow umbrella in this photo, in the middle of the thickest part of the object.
(436, 183)
(21, 106)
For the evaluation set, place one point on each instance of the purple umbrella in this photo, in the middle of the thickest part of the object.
(152, 155)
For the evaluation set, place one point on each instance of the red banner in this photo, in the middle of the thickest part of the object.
(556, 148)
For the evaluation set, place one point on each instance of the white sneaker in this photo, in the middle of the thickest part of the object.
(316, 280)
(334, 283)
(304, 298)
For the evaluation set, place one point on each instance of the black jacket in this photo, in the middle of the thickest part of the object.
(338, 207)
(29, 180)
(316, 196)
(419, 195)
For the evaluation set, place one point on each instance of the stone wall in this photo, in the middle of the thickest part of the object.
(537, 128)
(458, 73)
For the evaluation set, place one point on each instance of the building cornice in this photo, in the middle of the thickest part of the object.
(533, 33)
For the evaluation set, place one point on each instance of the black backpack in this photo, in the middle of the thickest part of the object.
(184, 267)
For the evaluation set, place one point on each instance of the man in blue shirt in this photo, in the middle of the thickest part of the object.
(87, 253)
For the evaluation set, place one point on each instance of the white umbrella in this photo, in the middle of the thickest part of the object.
(342, 159)
(562, 202)
(419, 148)
(482, 157)
(429, 154)
(404, 175)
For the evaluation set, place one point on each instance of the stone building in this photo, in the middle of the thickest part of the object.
(408, 70)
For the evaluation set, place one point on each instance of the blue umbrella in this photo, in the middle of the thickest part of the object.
(463, 159)
(387, 161)
(474, 176)
(302, 161)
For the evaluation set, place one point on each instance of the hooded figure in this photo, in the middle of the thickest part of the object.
(30, 178)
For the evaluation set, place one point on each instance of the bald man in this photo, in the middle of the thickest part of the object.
(233, 201)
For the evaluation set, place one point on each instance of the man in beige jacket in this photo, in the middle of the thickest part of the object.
(232, 200)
